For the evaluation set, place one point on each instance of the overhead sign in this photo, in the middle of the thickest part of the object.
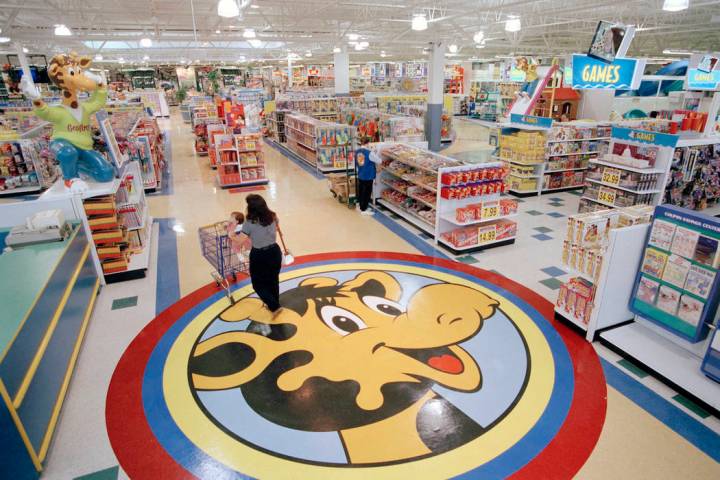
(704, 72)
(621, 74)
(645, 136)
(531, 120)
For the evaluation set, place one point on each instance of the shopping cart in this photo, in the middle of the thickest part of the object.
(216, 248)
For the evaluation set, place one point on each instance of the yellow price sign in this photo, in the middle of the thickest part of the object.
(607, 195)
(611, 176)
(490, 211)
(486, 235)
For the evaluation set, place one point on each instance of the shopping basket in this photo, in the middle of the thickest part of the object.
(216, 247)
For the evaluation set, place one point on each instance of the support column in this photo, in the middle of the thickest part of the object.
(436, 79)
(341, 68)
(290, 75)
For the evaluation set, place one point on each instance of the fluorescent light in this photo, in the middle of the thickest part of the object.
(121, 60)
(146, 57)
(453, 48)
(383, 54)
(480, 45)
(337, 50)
(479, 36)
(512, 24)
(217, 31)
(228, 8)
(255, 43)
(675, 5)
(364, 44)
(146, 42)
(668, 51)
(62, 31)
(25, 50)
(254, 6)
(249, 33)
(98, 58)
(182, 61)
(419, 22)
(358, 47)
(353, 37)
(4, 39)
(308, 53)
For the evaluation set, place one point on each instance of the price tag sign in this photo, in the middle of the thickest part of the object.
(607, 195)
(611, 176)
(486, 235)
(490, 211)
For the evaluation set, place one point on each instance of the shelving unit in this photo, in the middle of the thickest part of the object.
(327, 147)
(461, 206)
(240, 160)
(26, 164)
(632, 172)
(115, 216)
(148, 150)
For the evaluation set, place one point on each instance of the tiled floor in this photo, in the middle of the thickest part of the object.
(635, 442)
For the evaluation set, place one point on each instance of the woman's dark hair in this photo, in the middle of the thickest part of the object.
(258, 211)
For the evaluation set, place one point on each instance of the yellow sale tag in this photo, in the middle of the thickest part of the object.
(490, 211)
(486, 235)
(607, 195)
(611, 176)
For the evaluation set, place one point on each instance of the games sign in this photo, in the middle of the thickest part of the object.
(620, 74)
(704, 72)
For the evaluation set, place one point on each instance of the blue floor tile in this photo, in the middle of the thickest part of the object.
(552, 283)
(542, 237)
(543, 229)
(553, 271)
(556, 199)
(469, 259)
(534, 213)
(556, 214)
(126, 302)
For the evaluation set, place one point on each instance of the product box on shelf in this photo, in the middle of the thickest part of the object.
(326, 146)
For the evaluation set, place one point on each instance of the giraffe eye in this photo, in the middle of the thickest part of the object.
(340, 320)
(72, 71)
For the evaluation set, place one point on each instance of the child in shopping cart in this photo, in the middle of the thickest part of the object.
(239, 244)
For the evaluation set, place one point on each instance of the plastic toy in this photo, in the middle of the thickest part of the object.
(72, 140)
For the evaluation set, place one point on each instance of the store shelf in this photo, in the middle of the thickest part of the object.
(572, 153)
(694, 142)
(522, 192)
(403, 177)
(417, 199)
(95, 189)
(300, 131)
(598, 201)
(639, 192)
(327, 169)
(577, 273)
(571, 318)
(143, 224)
(392, 187)
(569, 187)
(413, 219)
(517, 175)
(454, 221)
(579, 140)
(626, 167)
(17, 191)
(139, 261)
(476, 246)
(566, 170)
(290, 137)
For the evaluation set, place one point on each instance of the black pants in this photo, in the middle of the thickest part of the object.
(364, 193)
(265, 267)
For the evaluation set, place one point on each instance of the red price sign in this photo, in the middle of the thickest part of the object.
(611, 176)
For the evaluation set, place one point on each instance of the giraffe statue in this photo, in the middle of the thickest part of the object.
(72, 141)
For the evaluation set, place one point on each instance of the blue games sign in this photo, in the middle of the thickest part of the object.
(531, 120)
(645, 136)
(621, 74)
(699, 80)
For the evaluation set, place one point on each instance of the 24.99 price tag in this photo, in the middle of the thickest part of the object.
(611, 176)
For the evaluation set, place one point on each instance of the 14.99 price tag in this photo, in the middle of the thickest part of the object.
(486, 235)
(611, 176)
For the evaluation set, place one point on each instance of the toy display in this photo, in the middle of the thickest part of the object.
(240, 160)
(324, 145)
(72, 136)
(695, 177)
(677, 282)
(26, 165)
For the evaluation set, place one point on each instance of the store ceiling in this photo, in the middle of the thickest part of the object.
(191, 30)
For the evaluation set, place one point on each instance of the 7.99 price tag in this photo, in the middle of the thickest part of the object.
(490, 211)
(611, 176)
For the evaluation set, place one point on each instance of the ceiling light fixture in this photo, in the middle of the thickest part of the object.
(308, 53)
(453, 48)
(512, 24)
(353, 37)
(480, 45)
(98, 58)
(668, 51)
(364, 44)
(121, 60)
(25, 50)
(217, 31)
(255, 43)
(479, 36)
(254, 6)
(4, 39)
(62, 31)
(146, 58)
(249, 33)
(146, 42)
(337, 50)
(383, 54)
(358, 47)
(675, 5)
(419, 22)
(228, 8)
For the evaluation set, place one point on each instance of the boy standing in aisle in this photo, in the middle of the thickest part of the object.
(366, 172)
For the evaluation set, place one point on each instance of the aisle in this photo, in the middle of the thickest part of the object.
(633, 443)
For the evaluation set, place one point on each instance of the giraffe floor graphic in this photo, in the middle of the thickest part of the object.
(381, 365)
